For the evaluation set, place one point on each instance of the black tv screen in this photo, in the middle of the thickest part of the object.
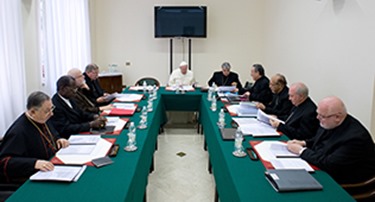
(172, 21)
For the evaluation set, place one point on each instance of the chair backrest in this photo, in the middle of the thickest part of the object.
(362, 191)
(149, 80)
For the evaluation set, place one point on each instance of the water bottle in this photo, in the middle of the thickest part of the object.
(144, 111)
(131, 144)
(144, 84)
(149, 105)
(132, 128)
(213, 103)
(143, 122)
(238, 148)
(221, 121)
(209, 95)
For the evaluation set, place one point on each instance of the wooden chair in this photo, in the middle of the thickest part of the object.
(149, 80)
(362, 191)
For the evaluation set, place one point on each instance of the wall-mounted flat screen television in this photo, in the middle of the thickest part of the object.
(180, 21)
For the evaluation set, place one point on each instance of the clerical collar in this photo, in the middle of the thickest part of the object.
(65, 100)
(32, 118)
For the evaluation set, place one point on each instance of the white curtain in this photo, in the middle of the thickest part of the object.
(65, 38)
(12, 66)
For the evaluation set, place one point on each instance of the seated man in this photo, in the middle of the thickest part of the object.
(69, 119)
(260, 91)
(181, 76)
(225, 77)
(30, 141)
(95, 92)
(280, 105)
(342, 146)
(301, 123)
(83, 102)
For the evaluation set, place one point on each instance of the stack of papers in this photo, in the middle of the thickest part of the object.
(116, 122)
(280, 157)
(140, 88)
(81, 154)
(265, 118)
(60, 173)
(251, 126)
(226, 88)
(121, 109)
(247, 109)
(84, 139)
(128, 97)
(185, 88)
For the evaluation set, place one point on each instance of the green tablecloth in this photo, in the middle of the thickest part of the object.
(241, 179)
(124, 180)
(237, 179)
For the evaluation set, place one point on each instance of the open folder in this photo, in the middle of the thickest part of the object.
(60, 173)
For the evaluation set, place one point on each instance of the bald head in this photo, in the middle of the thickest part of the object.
(277, 83)
(298, 93)
(78, 76)
(331, 112)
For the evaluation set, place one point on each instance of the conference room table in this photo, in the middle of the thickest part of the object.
(237, 179)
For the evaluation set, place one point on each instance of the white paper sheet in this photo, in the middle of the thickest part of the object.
(265, 118)
(84, 139)
(76, 156)
(60, 173)
(291, 163)
(129, 97)
(226, 88)
(129, 106)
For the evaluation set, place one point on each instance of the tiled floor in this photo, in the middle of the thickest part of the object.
(178, 178)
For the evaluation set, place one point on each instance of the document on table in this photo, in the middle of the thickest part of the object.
(291, 163)
(81, 154)
(140, 88)
(255, 128)
(279, 149)
(116, 122)
(129, 106)
(247, 109)
(280, 157)
(84, 139)
(60, 173)
(185, 88)
(129, 97)
(226, 88)
(265, 118)
(77, 150)
(259, 130)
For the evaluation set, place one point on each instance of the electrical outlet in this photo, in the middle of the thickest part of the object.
(128, 63)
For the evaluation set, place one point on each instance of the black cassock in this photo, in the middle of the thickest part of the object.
(22, 146)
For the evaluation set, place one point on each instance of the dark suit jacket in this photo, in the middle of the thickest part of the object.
(220, 80)
(95, 88)
(84, 103)
(260, 91)
(68, 121)
(280, 104)
(302, 122)
(345, 152)
(22, 146)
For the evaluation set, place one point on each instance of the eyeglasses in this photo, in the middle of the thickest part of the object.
(47, 111)
(327, 116)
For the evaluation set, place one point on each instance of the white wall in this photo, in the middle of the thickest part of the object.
(327, 44)
(122, 30)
